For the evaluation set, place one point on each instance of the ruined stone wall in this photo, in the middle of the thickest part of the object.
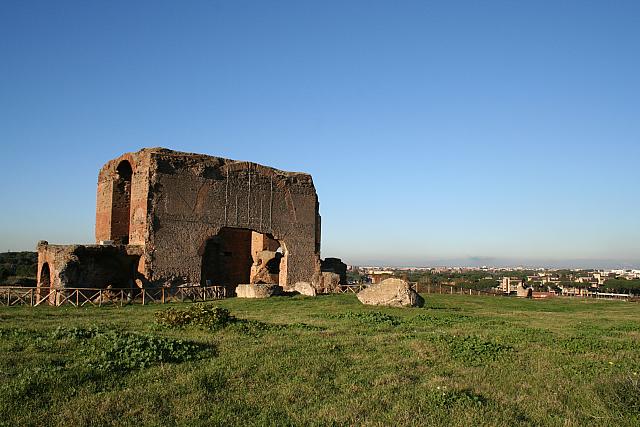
(121, 208)
(335, 265)
(262, 242)
(192, 197)
(161, 207)
(51, 256)
(87, 266)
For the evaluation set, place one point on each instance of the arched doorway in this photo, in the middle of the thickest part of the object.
(44, 285)
(121, 204)
(239, 256)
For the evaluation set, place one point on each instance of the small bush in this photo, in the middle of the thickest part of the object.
(121, 352)
(18, 333)
(202, 315)
(374, 317)
(445, 399)
(473, 350)
(582, 344)
(74, 333)
(213, 318)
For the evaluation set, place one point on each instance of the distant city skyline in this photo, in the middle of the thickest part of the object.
(507, 263)
(455, 133)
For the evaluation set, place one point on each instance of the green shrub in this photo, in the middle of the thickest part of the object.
(113, 351)
(202, 315)
(374, 317)
(74, 333)
(444, 399)
(472, 350)
(17, 333)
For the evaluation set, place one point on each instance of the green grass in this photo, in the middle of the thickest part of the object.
(459, 361)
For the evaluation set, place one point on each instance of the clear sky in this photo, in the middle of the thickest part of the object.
(450, 132)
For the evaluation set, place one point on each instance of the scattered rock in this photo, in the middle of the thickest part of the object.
(266, 267)
(263, 276)
(330, 281)
(257, 290)
(326, 282)
(305, 288)
(391, 292)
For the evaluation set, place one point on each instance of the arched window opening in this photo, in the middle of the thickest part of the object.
(121, 204)
(44, 286)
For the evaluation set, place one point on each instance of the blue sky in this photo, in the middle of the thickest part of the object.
(497, 132)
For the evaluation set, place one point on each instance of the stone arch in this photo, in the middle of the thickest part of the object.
(44, 284)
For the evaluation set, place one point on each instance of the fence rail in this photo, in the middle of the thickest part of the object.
(345, 289)
(448, 289)
(418, 287)
(81, 297)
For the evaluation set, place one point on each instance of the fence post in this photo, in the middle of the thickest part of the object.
(31, 297)
(143, 294)
(163, 294)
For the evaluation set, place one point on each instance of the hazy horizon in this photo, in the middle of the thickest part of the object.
(458, 131)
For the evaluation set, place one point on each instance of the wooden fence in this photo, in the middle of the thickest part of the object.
(354, 289)
(447, 289)
(80, 297)
(421, 288)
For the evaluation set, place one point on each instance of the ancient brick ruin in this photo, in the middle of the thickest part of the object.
(167, 218)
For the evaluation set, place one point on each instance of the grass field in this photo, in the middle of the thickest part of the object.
(459, 361)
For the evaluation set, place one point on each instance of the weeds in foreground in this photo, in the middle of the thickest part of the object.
(622, 393)
(201, 315)
(211, 317)
(112, 351)
(370, 317)
(362, 365)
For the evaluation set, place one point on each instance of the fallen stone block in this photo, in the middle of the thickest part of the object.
(257, 290)
(305, 288)
(391, 292)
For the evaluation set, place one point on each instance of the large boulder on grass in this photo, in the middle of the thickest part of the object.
(305, 288)
(391, 292)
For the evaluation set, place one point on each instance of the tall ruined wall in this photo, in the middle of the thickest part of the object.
(192, 197)
(117, 210)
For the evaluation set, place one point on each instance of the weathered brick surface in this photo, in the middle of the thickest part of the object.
(87, 266)
(183, 208)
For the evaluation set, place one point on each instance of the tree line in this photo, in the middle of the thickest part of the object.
(18, 268)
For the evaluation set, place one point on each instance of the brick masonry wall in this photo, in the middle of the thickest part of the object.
(194, 197)
(180, 200)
